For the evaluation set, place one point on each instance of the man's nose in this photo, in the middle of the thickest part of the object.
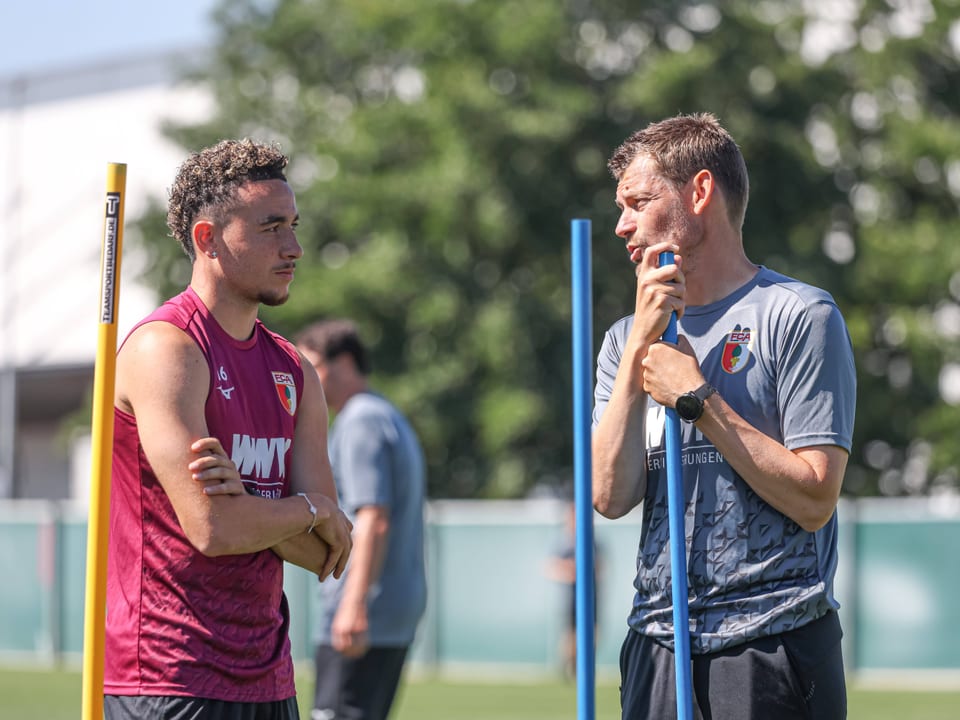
(626, 225)
(293, 249)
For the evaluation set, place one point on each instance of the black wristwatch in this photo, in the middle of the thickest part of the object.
(690, 404)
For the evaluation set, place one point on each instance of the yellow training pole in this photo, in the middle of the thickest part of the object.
(98, 522)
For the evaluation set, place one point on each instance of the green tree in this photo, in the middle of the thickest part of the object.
(441, 148)
(895, 156)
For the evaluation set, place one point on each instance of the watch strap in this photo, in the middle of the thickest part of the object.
(704, 391)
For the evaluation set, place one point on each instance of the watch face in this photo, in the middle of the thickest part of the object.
(689, 407)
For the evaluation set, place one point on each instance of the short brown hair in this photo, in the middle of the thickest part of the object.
(683, 145)
(330, 338)
(208, 180)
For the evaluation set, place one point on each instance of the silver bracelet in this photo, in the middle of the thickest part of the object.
(313, 509)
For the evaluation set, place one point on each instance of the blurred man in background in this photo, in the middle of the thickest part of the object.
(370, 615)
(562, 568)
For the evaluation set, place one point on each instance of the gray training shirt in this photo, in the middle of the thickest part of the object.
(778, 352)
(377, 460)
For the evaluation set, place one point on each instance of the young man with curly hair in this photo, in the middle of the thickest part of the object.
(220, 469)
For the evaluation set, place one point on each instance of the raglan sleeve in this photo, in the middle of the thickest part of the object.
(364, 463)
(816, 390)
(608, 361)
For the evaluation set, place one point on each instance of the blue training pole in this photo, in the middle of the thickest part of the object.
(678, 544)
(583, 483)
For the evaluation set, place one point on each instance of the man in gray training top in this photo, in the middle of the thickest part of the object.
(763, 378)
(371, 614)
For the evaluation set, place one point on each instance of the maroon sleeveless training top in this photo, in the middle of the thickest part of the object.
(180, 623)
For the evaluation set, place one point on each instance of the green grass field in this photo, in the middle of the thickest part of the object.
(27, 695)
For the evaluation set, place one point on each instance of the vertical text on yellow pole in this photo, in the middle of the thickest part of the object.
(94, 619)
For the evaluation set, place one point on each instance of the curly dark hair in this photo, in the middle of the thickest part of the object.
(208, 180)
(682, 146)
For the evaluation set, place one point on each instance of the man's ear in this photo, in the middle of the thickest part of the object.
(203, 238)
(701, 191)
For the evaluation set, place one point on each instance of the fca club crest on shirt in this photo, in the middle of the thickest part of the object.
(287, 391)
(736, 350)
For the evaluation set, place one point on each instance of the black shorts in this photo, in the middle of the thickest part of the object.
(356, 688)
(173, 707)
(797, 675)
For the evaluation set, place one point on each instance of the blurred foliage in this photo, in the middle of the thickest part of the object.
(440, 149)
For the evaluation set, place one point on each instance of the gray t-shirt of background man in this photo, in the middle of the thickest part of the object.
(377, 460)
(779, 353)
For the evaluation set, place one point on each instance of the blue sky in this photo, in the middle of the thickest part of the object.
(43, 35)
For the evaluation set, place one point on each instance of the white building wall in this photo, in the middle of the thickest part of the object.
(58, 133)
(54, 154)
